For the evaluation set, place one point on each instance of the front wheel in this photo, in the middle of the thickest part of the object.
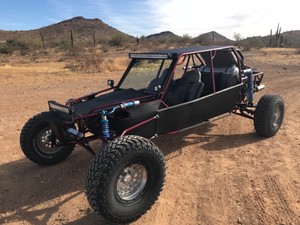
(39, 143)
(125, 179)
(269, 115)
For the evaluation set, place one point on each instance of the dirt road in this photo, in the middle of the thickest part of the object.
(221, 173)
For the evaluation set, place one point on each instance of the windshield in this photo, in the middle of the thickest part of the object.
(143, 72)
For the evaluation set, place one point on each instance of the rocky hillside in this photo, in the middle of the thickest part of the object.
(212, 37)
(204, 39)
(164, 34)
(84, 31)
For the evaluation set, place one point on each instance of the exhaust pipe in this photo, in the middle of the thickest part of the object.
(259, 87)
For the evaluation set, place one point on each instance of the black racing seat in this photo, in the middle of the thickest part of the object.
(226, 81)
(225, 77)
(188, 88)
(157, 81)
(222, 81)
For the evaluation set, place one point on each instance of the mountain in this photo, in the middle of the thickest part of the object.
(164, 34)
(212, 37)
(86, 31)
(81, 26)
(203, 39)
(83, 31)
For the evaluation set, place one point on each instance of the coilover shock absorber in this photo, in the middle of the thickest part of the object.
(104, 120)
(105, 125)
(249, 74)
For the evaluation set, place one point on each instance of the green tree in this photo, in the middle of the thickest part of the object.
(238, 38)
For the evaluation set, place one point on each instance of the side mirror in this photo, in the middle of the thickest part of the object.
(111, 83)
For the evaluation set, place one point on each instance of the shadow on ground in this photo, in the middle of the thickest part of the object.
(209, 142)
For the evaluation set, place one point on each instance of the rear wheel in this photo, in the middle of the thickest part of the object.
(125, 179)
(40, 145)
(269, 115)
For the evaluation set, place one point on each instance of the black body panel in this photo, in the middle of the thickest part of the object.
(108, 99)
(133, 116)
(146, 130)
(191, 113)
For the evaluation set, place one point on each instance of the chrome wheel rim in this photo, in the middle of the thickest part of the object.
(276, 117)
(131, 182)
(44, 142)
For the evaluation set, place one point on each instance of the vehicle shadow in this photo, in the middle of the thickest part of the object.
(91, 218)
(173, 144)
(170, 144)
(33, 193)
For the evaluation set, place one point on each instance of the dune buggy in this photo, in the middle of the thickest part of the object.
(161, 92)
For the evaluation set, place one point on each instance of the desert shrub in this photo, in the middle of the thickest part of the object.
(75, 51)
(5, 49)
(246, 48)
(102, 40)
(90, 61)
(93, 60)
(256, 42)
(186, 38)
(160, 40)
(104, 47)
(14, 45)
(117, 40)
(18, 45)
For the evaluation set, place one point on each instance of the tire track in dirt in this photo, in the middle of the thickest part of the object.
(253, 204)
(280, 200)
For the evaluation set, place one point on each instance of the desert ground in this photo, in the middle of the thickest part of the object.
(220, 173)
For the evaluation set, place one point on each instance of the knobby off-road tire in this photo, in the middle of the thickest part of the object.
(125, 179)
(269, 115)
(37, 143)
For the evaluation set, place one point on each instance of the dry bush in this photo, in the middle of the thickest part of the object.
(96, 60)
(90, 60)
(115, 64)
(118, 40)
(75, 51)
(13, 45)
(248, 44)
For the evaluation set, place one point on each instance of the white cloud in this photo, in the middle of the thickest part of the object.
(250, 18)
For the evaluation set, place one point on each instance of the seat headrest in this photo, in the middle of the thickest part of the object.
(191, 76)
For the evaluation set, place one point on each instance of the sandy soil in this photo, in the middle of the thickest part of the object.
(221, 173)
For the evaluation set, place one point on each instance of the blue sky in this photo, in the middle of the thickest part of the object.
(145, 17)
